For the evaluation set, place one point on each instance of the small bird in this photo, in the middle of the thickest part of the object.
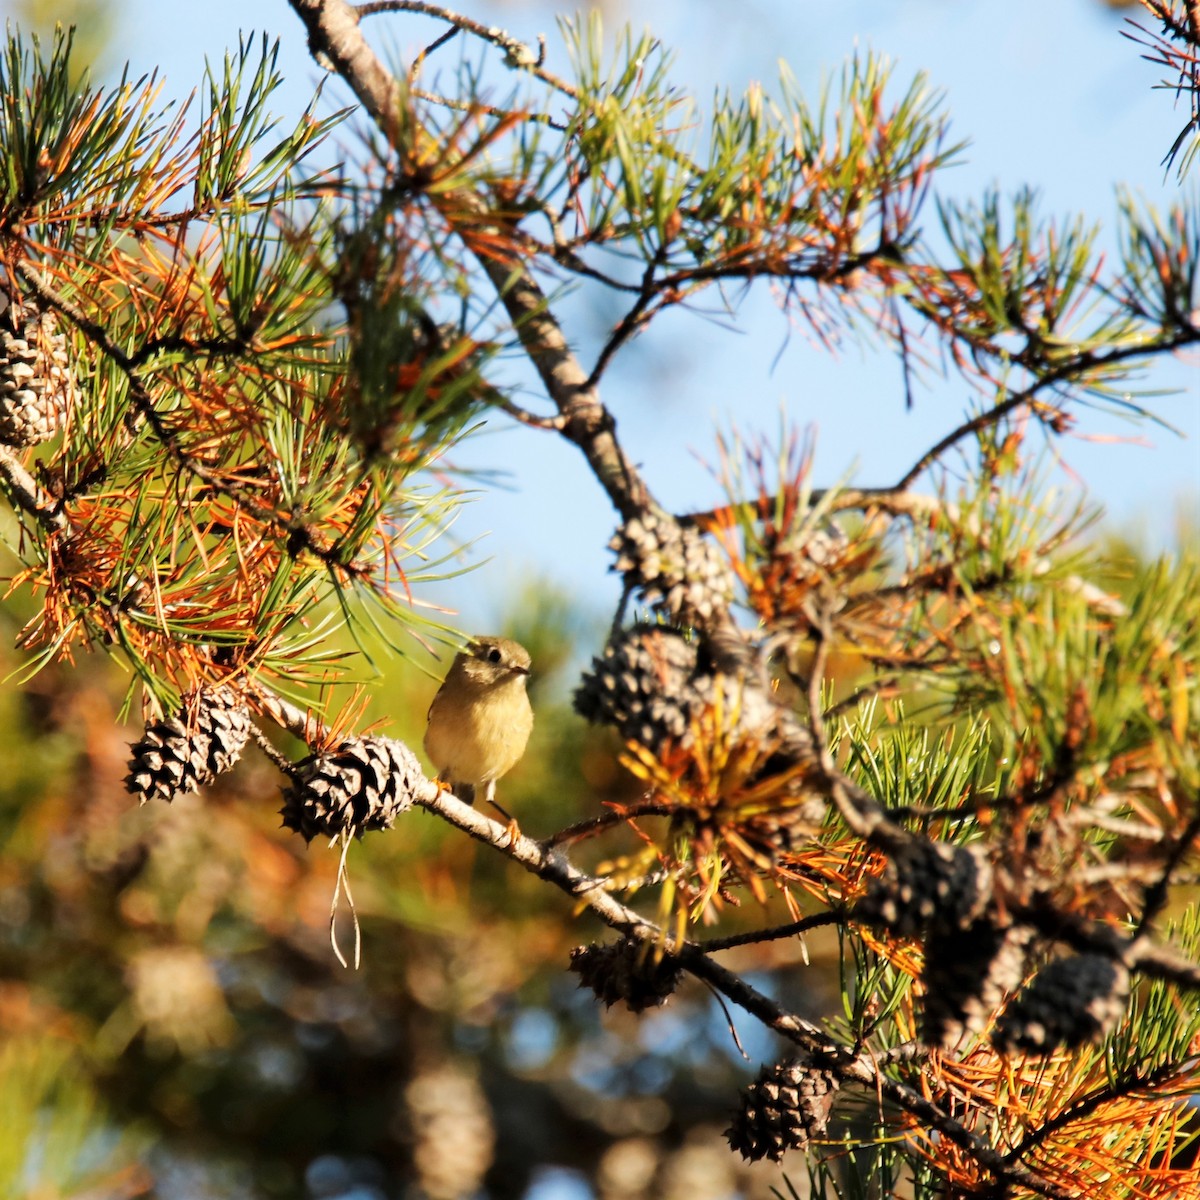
(480, 719)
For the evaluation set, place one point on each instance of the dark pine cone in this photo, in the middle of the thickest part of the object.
(629, 971)
(1071, 1001)
(967, 975)
(644, 685)
(189, 750)
(653, 682)
(784, 1109)
(362, 784)
(928, 885)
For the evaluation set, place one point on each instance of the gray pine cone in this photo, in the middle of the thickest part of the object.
(362, 784)
(673, 567)
(644, 685)
(652, 682)
(967, 975)
(189, 750)
(928, 885)
(1071, 1000)
(37, 383)
(784, 1109)
(810, 550)
(627, 971)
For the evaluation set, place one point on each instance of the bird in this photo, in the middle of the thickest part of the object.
(480, 720)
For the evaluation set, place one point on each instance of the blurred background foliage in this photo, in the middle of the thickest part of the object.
(93, 20)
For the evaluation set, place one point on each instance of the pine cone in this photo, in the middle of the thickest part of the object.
(628, 971)
(644, 686)
(673, 567)
(363, 784)
(821, 547)
(784, 1109)
(189, 750)
(967, 975)
(1071, 1001)
(37, 384)
(652, 683)
(928, 885)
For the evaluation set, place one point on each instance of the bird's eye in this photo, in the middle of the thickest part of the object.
(494, 655)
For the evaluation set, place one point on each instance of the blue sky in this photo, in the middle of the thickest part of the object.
(1049, 95)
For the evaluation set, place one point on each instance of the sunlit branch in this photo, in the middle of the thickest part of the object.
(554, 867)
(517, 54)
(24, 490)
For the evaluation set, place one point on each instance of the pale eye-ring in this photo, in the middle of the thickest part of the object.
(494, 655)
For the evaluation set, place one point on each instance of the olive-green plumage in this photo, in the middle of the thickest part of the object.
(480, 719)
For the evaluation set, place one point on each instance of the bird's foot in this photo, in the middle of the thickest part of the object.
(511, 827)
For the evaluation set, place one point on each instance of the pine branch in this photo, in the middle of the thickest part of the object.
(1157, 894)
(1097, 937)
(517, 54)
(299, 536)
(974, 560)
(552, 866)
(756, 937)
(333, 28)
(1028, 397)
(489, 109)
(1123, 1085)
(29, 497)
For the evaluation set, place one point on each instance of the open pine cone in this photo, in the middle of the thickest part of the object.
(628, 971)
(37, 382)
(673, 567)
(362, 784)
(786, 1107)
(186, 752)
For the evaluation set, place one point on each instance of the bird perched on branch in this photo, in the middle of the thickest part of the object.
(480, 719)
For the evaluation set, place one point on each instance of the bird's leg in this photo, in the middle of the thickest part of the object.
(489, 795)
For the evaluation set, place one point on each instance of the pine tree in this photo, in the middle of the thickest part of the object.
(924, 715)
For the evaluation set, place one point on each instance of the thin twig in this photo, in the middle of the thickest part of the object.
(633, 320)
(1156, 895)
(281, 762)
(757, 936)
(490, 110)
(517, 54)
(533, 420)
(1161, 962)
(733, 1033)
(895, 501)
(437, 43)
(24, 490)
(582, 829)
(1028, 397)
(301, 723)
(878, 687)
